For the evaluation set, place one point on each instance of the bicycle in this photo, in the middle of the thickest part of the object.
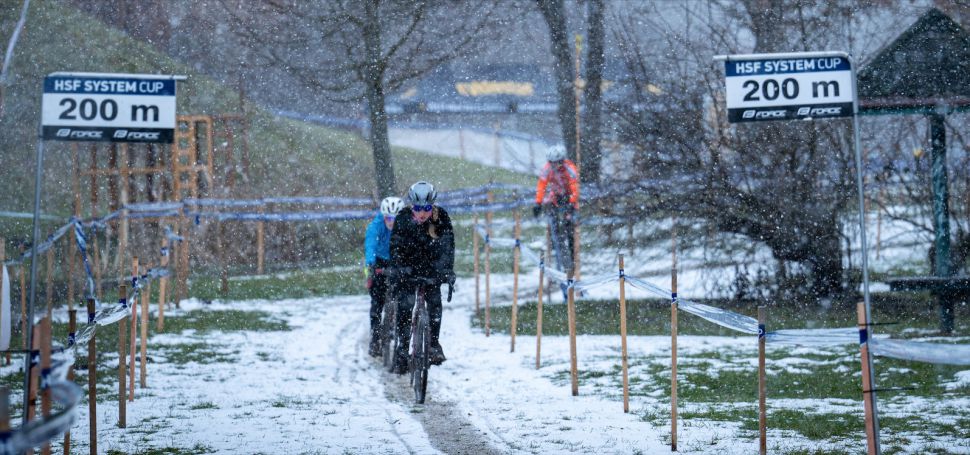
(389, 329)
(419, 363)
(561, 230)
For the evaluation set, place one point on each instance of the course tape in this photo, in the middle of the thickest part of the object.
(66, 394)
(950, 354)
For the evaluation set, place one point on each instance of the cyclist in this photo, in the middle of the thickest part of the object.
(422, 245)
(558, 192)
(377, 256)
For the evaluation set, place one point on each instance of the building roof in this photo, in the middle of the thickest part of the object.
(926, 66)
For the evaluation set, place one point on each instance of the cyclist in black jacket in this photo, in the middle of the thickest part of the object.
(422, 245)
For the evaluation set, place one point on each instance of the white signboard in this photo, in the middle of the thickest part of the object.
(788, 86)
(108, 107)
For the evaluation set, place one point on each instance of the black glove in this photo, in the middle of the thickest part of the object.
(536, 211)
(397, 274)
(447, 277)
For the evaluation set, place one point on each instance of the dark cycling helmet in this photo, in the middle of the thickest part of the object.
(422, 193)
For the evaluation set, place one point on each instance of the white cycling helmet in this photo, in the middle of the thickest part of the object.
(391, 205)
(556, 153)
(422, 193)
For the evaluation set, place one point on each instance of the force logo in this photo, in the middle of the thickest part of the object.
(756, 114)
(137, 135)
(819, 111)
(77, 134)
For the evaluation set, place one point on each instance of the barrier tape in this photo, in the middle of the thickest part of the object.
(66, 393)
(950, 354)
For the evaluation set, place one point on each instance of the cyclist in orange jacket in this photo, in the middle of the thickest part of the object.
(558, 192)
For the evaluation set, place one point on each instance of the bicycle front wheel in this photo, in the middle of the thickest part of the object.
(389, 333)
(419, 371)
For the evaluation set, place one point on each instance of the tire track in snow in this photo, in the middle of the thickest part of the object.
(347, 351)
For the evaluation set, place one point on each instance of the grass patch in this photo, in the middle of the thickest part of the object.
(204, 405)
(198, 353)
(652, 317)
(203, 320)
(824, 426)
(296, 285)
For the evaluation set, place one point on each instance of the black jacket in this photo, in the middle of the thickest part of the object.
(427, 248)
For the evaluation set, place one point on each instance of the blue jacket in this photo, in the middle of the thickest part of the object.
(377, 242)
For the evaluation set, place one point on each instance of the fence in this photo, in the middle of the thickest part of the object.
(50, 368)
(952, 354)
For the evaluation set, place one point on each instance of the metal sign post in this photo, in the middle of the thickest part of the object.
(96, 107)
(807, 86)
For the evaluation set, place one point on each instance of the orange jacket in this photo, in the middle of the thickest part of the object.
(558, 180)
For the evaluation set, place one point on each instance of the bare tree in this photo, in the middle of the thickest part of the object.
(554, 13)
(783, 185)
(360, 50)
(592, 155)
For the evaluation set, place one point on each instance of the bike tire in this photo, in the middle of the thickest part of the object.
(560, 244)
(419, 372)
(389, 333)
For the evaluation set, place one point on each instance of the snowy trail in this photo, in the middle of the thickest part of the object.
(308, 390)
(314, 389)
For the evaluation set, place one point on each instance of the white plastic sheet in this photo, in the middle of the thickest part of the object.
(948, 354)
(5, 322)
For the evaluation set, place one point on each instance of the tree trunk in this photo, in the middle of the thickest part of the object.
(374, 92)
(554, 13)
(826, 264)
(592, 154)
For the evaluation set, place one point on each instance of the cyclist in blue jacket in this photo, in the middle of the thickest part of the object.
(378, 257)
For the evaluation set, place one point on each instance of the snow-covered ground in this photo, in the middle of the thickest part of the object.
(313, 389)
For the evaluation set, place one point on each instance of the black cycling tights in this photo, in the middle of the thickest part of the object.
(405, 299)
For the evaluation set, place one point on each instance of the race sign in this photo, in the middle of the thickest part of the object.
(788, 86)
(108, 107)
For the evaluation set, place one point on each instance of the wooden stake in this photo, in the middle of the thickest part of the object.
(571, 309)
(92, 384)
(478, 311)
(45, 371)
(23, 305)
(72, 332)
(260, 243)
(50, 281)
(133, 347)
(36, 337)
(124, 223)
(515, 278)
(122, 356)
(3, 258)
(223, 261)
(867, 392)
(623, 352)
(4, 409)
(542, 269)
(762, 384)
(143, 378)
(549, 259)
(162, 284)
(184, 251)
(673, 347)
(488, 268)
